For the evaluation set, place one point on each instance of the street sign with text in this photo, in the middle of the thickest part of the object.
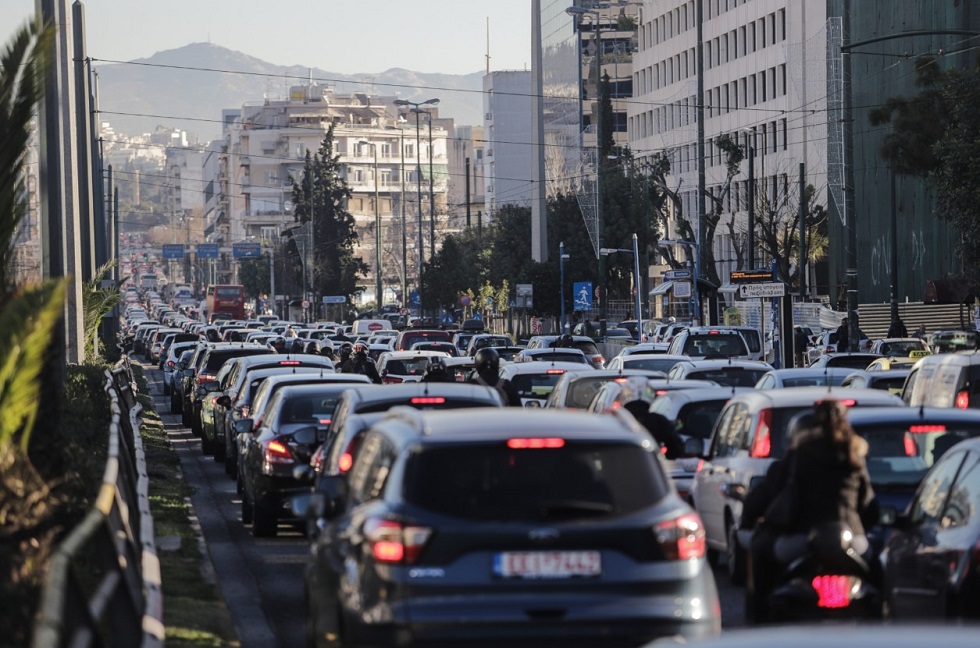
(173, 251)
(751, 276)
(334, 299)
(677, 274)
(207, 250)
(246, 250)
(761, 290)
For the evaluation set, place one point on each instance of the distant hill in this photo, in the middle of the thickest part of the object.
(192, 99)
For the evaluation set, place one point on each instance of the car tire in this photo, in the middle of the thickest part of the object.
(247, 511)
(231, 463)
(166, 388)
(736, 557)
(185, 418)
(265, 522)
(218, 449)
(207, 446)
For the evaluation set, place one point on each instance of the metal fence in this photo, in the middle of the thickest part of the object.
(103, 585)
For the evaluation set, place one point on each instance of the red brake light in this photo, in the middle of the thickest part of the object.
(289, 363)
(681, 538)
(833, 591)
(762, 445)
(555, 371)
(963, 399)
(345, 462)
(620, 380)
(534, 444)
(599, 359)
(925, 429)
(660, 392)
(428, 400)
(205, 377)
(324, 421)
(391, 542)
(171, 364)
(278, 452)
(911, 448)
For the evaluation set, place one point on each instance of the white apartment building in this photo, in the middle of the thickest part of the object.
(507, 149)
(466, 164)
(765, 81)
(266, 146)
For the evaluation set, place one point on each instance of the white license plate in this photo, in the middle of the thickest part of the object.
(547, 564)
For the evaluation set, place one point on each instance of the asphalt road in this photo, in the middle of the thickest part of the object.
(262, 579)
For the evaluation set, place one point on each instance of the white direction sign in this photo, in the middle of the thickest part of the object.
(750, 291)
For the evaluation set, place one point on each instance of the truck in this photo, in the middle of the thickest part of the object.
(148, 281)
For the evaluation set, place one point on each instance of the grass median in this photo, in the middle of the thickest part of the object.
(195, 615)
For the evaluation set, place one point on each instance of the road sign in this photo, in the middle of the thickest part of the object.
(415, 298)
(682, 289)
(246, 250)
(334, 299)
(525, 295)
(755, 291)
(582, 293)
(305, 304)
(173, 251)
(207, 250)
(751, 276)
(677, 274)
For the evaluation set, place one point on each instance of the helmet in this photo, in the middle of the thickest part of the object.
(279, 344)
(360, 347)
(436, 366)
(486, 360)
(565, 341)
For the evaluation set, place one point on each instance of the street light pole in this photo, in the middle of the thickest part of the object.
(561, 288)
(418, 179)
(603, 252)
(378, 287)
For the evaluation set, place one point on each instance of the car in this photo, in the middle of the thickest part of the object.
(892, 380)
(170, 363)
(508, 353)
(446, 347)
(952, 341)
(575, 390)
(616, 394)
(845, 635)
(477, 342)
(644, 348)
(930, 561)
(727, 373)
(644, 361)
(410, 336)
(900, 347)
(709, 342)
(534, 381)
(295, 424)
(557, 354)
(460, 526)
(944, 380)
(581, 342)
(177, 378)
(888, 363)
(752, 337)
(619, 335)
(845, 359)
(212, 357)
(405, 366)
(749, 435)
(460, 367)
(803, 377)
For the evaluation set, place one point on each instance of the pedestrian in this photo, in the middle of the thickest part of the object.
(842, 336)
(897, 329)
(920, 332)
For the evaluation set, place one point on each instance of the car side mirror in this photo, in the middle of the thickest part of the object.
(384, 372)
(693, 447)
(224, 401)
(211, 385)
(734, 491)
(243, 426)
(532, 404)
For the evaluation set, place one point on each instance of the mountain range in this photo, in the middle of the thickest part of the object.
(188, 87)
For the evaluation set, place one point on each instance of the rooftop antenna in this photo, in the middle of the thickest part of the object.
(488, 45)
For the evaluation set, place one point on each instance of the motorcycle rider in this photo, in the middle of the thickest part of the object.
(487, 373)
(361, 363)
(437, 371)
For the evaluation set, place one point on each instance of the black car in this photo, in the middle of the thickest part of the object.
(554, 528)
(931, 562)
(208, 364)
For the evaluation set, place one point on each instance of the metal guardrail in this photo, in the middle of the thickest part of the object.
(119, 601)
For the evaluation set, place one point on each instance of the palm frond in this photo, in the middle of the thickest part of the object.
(24, 62)
(97, 302)
(27, 324)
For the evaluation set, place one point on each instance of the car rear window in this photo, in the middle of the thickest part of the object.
(586, 347)
(425, 403)
(698, 419)
(535, 385)
(850, 362)
(729, 376)
(309, 408)
(218, 358)
(900, 455)
(558, 356)
(890, 384)
(492, 482)
(409, 340)
(228, 292)
(705, 344)
(815, 381)
(649, 364)
(583, 390)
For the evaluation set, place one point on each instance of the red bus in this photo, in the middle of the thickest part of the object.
(229, 300)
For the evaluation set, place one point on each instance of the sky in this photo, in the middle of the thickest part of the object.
(345, 36)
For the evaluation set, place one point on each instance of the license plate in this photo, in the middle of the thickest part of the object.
(547, 564)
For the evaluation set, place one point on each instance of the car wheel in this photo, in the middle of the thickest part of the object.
(185, 418)
(736, 557)
(218, 447)
(166, 388)
(231, 463)
(207, 445)
(265, 522)
(246, 509)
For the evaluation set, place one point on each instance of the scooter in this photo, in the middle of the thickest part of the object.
(831, 581)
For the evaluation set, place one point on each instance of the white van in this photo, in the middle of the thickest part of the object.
(369, 326)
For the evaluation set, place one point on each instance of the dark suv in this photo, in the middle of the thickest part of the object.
(490, 526)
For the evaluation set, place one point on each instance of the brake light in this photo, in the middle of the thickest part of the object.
(660, 392)
(762, 445)
(428, 400)
(620, 380)
(963, 399)
(393, 542)
(599, 359)
(700, 465)
(535, 443)
(214, 400)
(925, 429)
(834, 591)
(205, 377)
(289, 363)
(171, 364)
(278, 452)
(681, 538)
(392, 380)
(554, 372)
(911, 448)
(345, 462)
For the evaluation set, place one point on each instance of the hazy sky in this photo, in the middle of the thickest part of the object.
(345, 36)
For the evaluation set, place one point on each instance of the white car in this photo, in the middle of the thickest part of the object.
(534, 381)
(405, 366)
(560, 354)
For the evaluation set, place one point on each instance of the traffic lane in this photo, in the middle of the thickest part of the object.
(732, 599)
(261, 580)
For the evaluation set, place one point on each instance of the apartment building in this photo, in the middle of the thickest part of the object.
(507, 146)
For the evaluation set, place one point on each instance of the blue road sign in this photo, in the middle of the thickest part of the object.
(415, 298)
(173, 251)
(246, 250)
(582, 290)
(334, 299)
(207, 250)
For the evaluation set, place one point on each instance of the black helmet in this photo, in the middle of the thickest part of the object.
(566, 341)
(279, 344)
(436, 366)
(486, 360)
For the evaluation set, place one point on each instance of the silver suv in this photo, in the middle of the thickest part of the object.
(710, 342)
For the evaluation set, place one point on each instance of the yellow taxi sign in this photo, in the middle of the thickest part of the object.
(919, 354)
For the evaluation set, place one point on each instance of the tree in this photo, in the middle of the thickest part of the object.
(254, 275)
(320, 197)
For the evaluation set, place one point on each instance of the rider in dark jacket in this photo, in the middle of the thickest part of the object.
(437, 372)
(360, 363)
(487, 362)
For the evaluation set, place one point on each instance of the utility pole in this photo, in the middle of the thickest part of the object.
(853, 332)
(702, 189)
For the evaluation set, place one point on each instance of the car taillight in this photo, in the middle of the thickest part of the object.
(681, 538)
(289, 363)
(963, 399)
(911, 448)
(205, 377)
(598, 359)
(762, 445)
(171, 364)
(345, 462)
(554, 372)
(393, 542)
(535, 443)
(392, 380)
(926, 429)
(428, 400)
(278, 452)
(833, 591)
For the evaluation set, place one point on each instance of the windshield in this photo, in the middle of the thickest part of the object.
(705, 345)
(491, 482)
(900, 455)
(815, 381)
(901, 349)
(408, 366)
(558, 356)
(729, 376)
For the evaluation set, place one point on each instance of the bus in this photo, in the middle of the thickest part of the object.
(227, 300)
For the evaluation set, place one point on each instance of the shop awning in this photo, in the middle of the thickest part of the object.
(662, 289)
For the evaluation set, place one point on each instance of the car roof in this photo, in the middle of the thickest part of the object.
(868, 415)
(400, 391)
(795, 372)
(414, 353)
(455, 426)
(795, 396)
(539, 367)
(727, 362)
